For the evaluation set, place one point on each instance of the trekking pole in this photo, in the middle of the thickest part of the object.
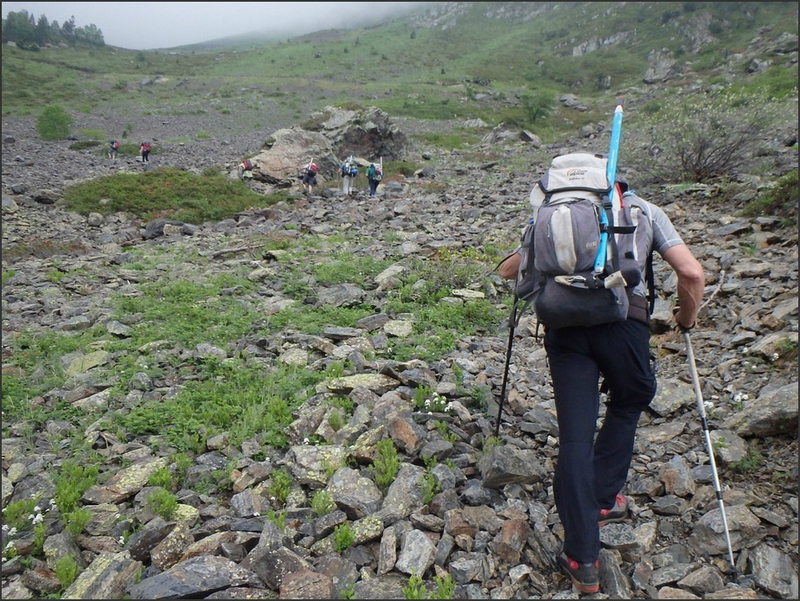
(702, 410)
(512, 322)
(611, 172)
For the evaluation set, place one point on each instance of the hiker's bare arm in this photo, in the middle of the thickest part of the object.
(510, 267)
(691, 283)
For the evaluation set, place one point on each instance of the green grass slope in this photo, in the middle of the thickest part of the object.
(428, 65)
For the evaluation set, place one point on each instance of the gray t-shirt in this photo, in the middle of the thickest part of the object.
(665, 235)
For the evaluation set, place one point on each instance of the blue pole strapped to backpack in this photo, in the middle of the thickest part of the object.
(611, 172)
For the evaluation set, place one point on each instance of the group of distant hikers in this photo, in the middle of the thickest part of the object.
(348, 171)
(144, 150)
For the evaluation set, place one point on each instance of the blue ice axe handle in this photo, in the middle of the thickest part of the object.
(611, 172)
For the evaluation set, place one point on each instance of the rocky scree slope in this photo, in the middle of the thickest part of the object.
(492, 525)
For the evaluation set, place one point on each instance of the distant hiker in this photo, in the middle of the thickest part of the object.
(112, 149)
(246, 169)
(591, 473)
(374, 176)
(310, 178)
(144, 148)
(348, 171)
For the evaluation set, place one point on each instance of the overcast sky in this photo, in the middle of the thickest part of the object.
(146, 25)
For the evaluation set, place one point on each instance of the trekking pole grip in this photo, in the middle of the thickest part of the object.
(678, 324)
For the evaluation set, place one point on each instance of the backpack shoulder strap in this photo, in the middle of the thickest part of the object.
(632, 198)
(651, 283)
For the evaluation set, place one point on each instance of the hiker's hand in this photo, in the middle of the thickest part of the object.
(509, 266)
(676, 312)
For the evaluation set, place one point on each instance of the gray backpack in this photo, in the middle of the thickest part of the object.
(559, 247)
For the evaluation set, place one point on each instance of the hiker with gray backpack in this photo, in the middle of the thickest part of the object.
(584, 266)
(348, 171)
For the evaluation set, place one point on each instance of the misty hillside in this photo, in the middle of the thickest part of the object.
(493, 61)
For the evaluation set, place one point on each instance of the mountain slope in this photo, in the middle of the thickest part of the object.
(448, 60)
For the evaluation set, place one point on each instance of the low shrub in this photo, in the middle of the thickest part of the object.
(54, 123)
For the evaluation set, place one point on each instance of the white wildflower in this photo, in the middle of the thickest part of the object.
(745, 350)
(37, 509)
(38, 519)
(708, 404)
(5, 527)
(774, 357)
(256, 513)
(121, 540)
(12, 532)
(305, 440)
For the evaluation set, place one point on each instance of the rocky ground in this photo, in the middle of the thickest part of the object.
(493, 528)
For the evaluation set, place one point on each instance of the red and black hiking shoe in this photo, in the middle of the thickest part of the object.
(585, 576)
(616, 514)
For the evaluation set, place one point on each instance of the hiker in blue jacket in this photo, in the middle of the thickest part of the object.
(591, 473)
(373, 178)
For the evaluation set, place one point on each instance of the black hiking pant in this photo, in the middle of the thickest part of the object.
(590, 472)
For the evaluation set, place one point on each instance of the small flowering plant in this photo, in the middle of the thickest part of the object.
(436, 403)
(20, 518)
(429, 401)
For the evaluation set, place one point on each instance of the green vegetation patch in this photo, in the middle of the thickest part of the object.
(164, 192)
(54, 123)
(37, 355)
(780, 200)
(188, 313)
(231, 396)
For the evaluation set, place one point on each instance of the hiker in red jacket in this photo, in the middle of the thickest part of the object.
(145, 150)
(310, 178)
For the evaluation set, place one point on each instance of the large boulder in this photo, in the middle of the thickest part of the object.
(328, 137)
(367, 133)
(287, 152)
